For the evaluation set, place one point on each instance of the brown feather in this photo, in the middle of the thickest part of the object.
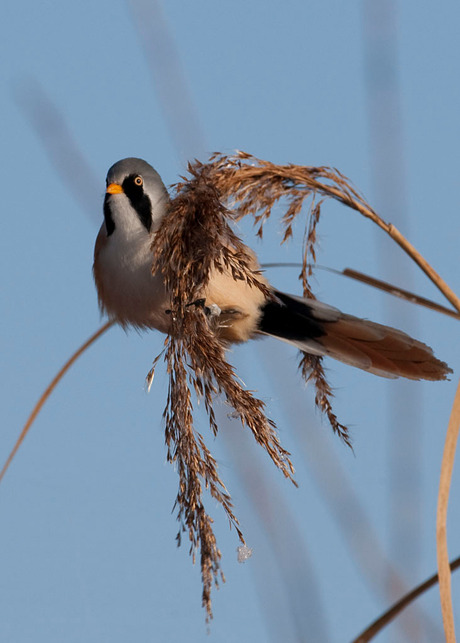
(390, 352)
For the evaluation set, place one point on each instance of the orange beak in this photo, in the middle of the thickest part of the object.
(114, 188)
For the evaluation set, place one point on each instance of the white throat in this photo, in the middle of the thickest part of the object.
(131, 293)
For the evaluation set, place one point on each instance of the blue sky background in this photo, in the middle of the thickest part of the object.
(87, 535)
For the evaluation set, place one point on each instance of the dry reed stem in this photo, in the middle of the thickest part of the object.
(396, 291)
(45, 395)
(373, 282)
(386, 618)
(441, 519)
(379, 284)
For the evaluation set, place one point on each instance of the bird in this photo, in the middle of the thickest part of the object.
(135, 204)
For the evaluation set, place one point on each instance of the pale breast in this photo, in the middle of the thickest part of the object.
(127, 290)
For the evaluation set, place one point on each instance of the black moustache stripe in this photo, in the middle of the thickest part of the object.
(143, 207)
(139, 200)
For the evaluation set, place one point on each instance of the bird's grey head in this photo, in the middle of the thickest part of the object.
(133, 185)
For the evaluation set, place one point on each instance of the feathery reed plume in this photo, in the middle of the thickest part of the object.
(194, 240)
(255, 186)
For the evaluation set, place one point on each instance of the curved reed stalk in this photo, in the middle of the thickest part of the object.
(444, 570)
(383, 620)
(45, 395)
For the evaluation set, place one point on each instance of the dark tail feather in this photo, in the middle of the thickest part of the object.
(319, 329)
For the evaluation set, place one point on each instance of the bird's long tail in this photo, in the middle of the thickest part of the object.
(319, 329)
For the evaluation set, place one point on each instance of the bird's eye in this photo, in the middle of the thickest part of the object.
(139, 180)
